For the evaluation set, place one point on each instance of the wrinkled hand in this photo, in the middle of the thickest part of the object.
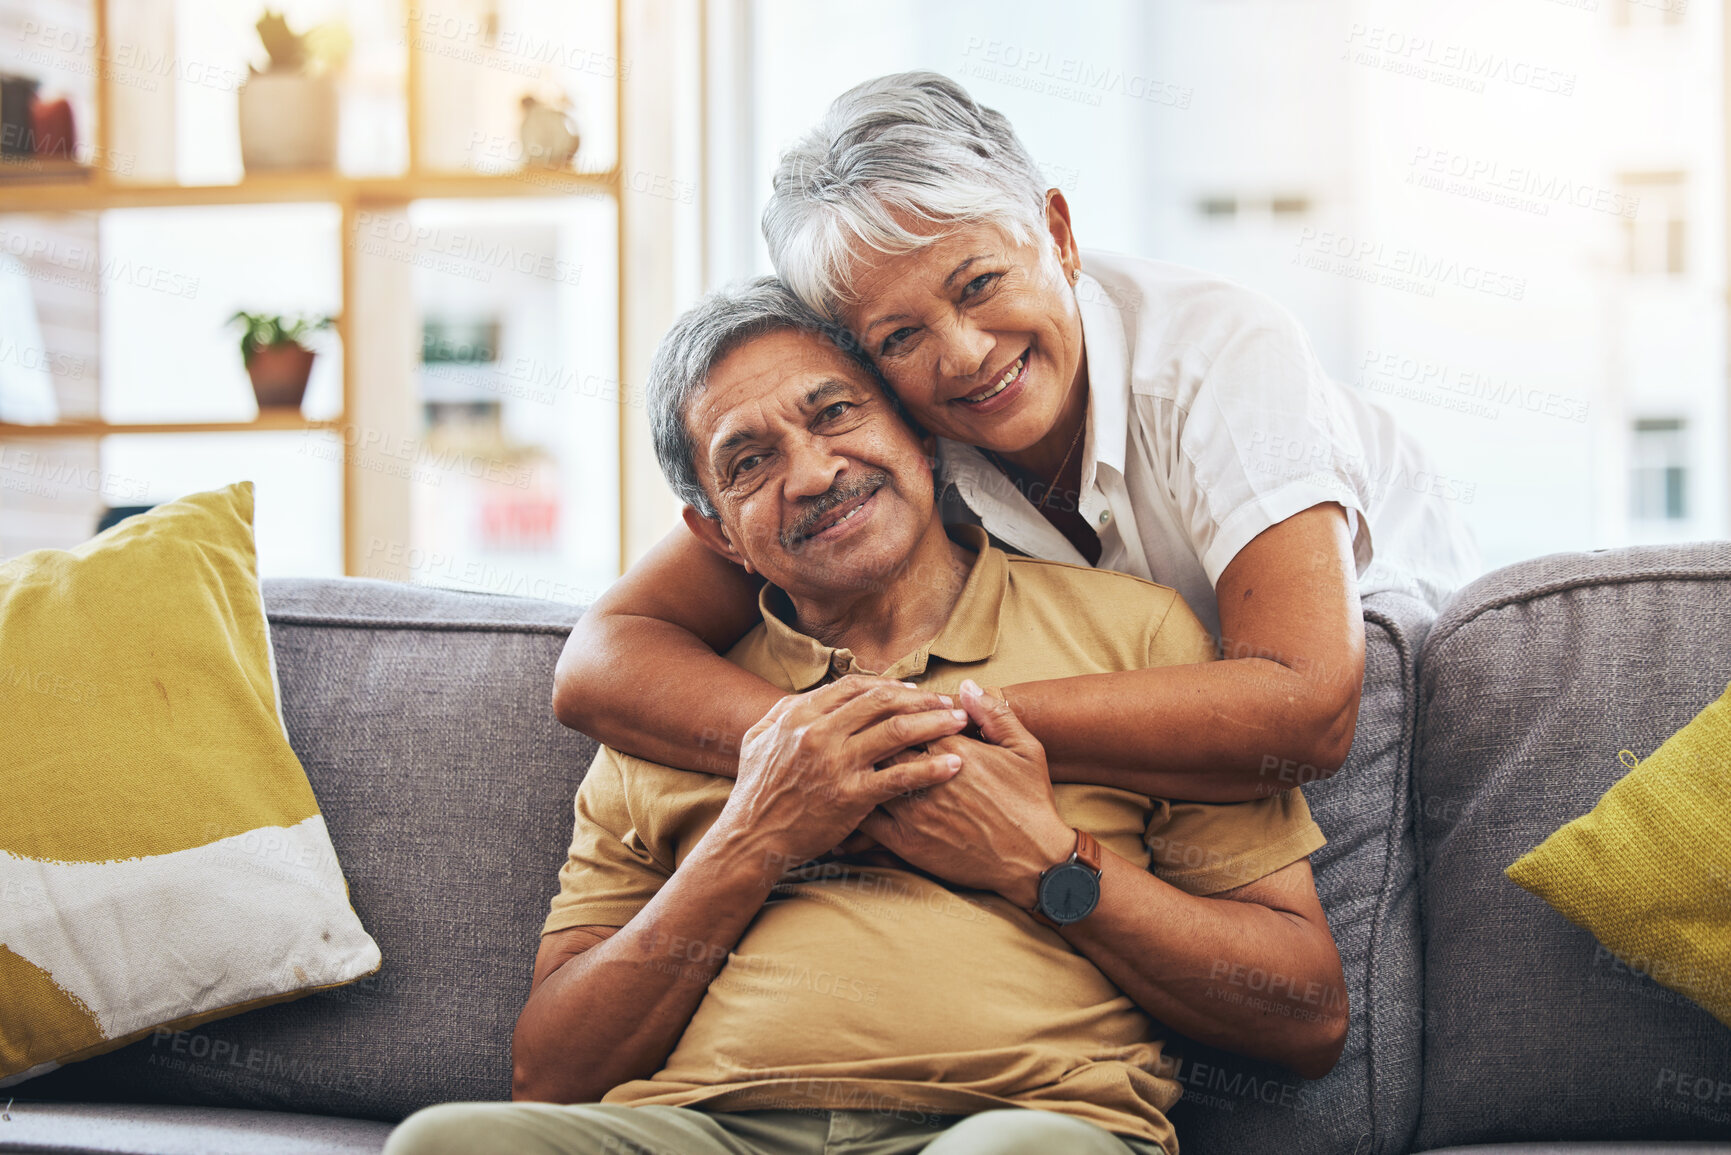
(808, 769)
(994, 825)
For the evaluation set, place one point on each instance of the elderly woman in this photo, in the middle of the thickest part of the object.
(1092, 408)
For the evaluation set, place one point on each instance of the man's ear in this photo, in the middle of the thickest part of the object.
(1058, 224)
(713, 534)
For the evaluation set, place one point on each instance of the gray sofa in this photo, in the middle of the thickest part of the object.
(1480, 1016)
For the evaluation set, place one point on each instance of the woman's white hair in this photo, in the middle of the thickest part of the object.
(893, 165)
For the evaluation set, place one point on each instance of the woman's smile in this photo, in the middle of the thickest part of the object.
(1002, 392)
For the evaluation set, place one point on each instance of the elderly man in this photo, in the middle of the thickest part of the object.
(889, 935)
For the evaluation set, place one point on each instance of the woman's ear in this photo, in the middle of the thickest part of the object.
(1058, 224)
(713, 534)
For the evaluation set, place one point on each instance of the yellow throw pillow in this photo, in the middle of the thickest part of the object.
(1648, 869)
(162, 857)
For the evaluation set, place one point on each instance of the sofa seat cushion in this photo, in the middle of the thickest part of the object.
(153, 1129)
(1367, 879)
(1532, 680)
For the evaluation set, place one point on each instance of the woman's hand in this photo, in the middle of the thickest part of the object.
(995, 825)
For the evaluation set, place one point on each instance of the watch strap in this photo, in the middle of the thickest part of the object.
(1088, 852)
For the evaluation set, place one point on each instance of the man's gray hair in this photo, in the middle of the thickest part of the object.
(699, 341)
(913, 144)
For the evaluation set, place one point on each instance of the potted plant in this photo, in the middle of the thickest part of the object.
(276, 360)
(288, 112)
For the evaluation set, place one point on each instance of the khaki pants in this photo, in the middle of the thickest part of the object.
(605, 1129)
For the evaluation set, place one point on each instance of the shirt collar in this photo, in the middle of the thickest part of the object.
(1108, 378)
(970, 634)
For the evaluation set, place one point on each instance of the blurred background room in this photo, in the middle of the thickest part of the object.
(462, 225)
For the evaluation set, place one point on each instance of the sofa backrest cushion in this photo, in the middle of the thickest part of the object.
(1368, 881)
(423, 721)
(1533, 679)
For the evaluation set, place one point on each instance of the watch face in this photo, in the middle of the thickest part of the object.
(1068, 892)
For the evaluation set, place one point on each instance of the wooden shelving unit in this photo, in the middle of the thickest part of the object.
(267, 422)
(58, 186)
(27, 170)
(29, 193)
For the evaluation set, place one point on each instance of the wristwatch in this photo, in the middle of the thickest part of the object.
(1069, 891)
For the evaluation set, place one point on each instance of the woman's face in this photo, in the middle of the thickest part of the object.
(977, 333)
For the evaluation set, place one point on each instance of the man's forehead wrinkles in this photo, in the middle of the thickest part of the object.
(815, 395)
(735, 428)
(825, 389)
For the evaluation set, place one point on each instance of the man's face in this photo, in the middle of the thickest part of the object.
(820, 485)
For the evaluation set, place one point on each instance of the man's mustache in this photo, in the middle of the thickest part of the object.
(820, 506)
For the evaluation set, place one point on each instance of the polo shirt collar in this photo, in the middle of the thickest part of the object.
(969, 635)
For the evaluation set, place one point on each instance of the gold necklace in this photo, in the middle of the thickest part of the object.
(1062, 465)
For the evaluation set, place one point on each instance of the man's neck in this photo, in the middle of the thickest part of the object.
(898, 614)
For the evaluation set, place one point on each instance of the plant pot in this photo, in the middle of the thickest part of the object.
(279, 375)
(288, 121)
